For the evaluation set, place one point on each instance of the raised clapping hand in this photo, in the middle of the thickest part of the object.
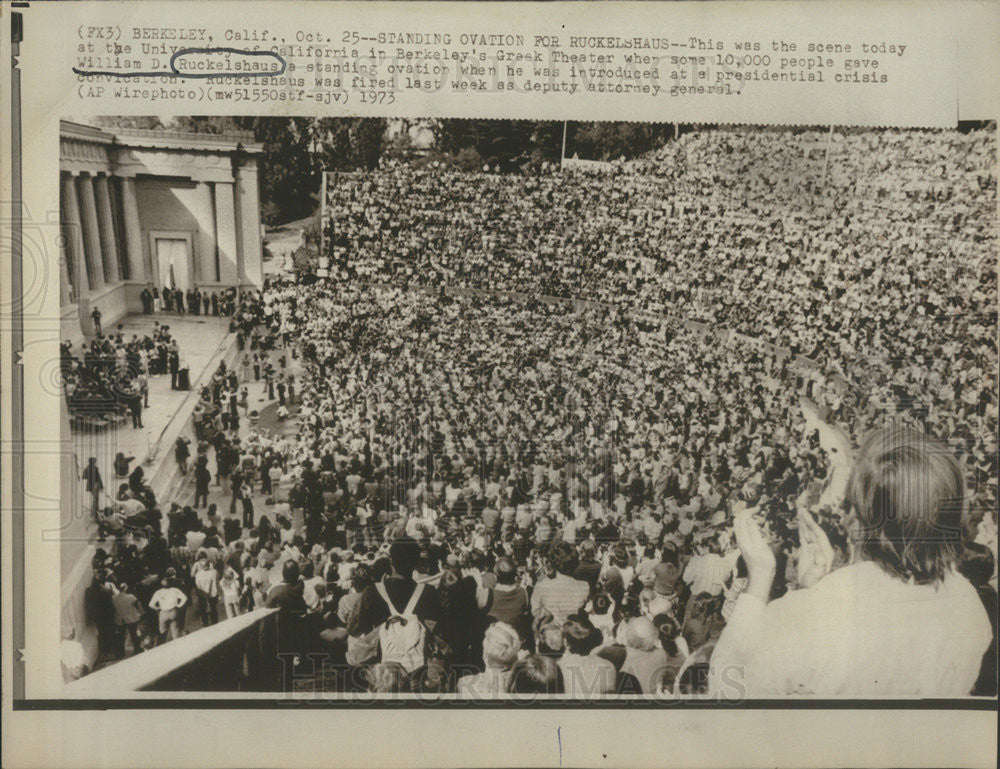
(757, 554)
(815, 551)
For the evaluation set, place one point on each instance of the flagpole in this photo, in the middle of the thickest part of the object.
(562, 155)
(322, 224)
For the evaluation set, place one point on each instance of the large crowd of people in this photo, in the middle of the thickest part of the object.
(509, 494)
(871, 252)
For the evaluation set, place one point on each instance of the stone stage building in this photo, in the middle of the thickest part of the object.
(145, 208)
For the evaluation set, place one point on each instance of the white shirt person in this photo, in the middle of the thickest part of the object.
(898, 621)
(858, 631)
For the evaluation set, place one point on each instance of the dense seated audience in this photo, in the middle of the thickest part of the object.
(872, 252)
(514, 495)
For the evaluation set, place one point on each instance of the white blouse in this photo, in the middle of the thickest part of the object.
(858, 631)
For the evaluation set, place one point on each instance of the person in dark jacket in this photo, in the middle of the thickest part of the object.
(92, 475)
(202, 478)
(508, 601)
(122, 463)
(247, 502)
(589, 568)
(288, 599)
(136, 480)
(174, 364)
(134, 401)
(182, 450)
(100, 611)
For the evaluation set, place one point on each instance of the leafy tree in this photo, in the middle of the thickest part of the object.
(289, 171)
(305, 259)
(350, 144)
(610, 141)
(503, 144)
(400, 147)
(513, 144)
(368, 141)
(468, 159)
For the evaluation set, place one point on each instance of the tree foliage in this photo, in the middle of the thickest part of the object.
(510, 145)
(296, 150)
(610, 141)
(503, 144)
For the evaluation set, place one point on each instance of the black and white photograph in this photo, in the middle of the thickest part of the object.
(506, 410)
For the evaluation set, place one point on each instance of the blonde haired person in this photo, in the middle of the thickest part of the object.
(230, 587)
(898, 620)
(388, 678)
(645, 659)
(501, 646)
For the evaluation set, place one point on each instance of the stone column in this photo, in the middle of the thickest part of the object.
(91, 233)
(252, 263)
(225, 233)
(133, 232)
(65, 250)
(108, 236)
(64, 282)
(74, 237)
(204, 247)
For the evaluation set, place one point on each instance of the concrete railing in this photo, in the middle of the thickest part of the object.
(237, 654)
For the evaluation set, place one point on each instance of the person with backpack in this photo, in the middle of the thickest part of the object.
(403, 611)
